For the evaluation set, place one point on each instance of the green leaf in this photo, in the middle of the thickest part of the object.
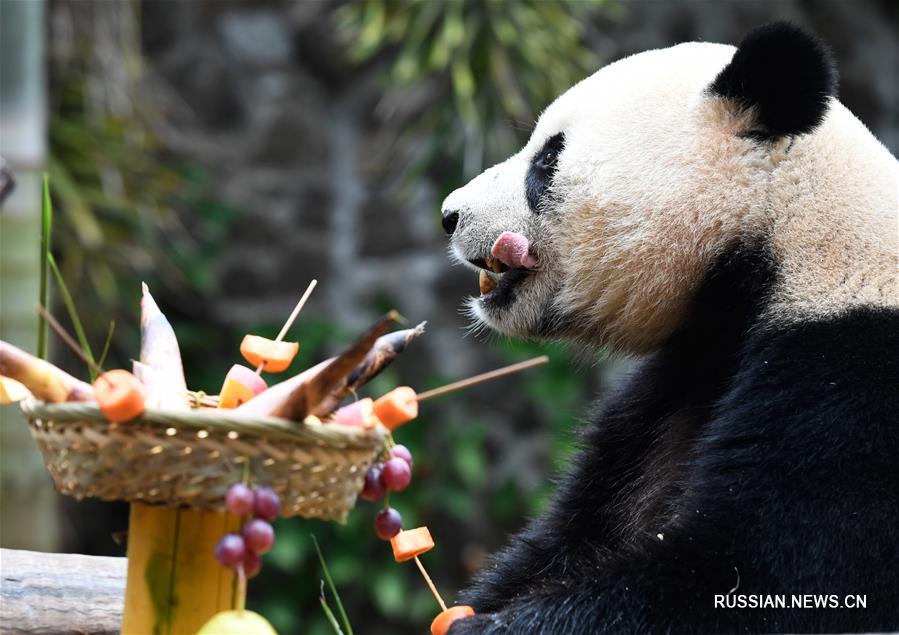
(343, 615)
(329, 614)
(73, 316)
(106, 344)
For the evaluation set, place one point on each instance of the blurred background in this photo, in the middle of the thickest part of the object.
(228, 152)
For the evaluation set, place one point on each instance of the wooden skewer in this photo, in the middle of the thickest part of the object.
(433, 588)
(56, 326)
(292, 318)
(477, 379)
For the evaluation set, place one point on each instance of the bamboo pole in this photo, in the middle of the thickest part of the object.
(174, 582)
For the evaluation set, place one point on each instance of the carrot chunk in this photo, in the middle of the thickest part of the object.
(241, 385)
(119, 395)
(445, 619)
(410, 543)
(272, 355)
(360, 414)
(397, 407)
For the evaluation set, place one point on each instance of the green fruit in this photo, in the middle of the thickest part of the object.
(237, 623)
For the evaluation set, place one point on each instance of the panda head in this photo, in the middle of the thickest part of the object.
(601, 228)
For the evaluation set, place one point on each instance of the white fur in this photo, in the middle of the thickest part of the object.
(656, 180)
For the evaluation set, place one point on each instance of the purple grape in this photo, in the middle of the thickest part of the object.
(252, 563)
(258, 535)
(268, 505)
(388, 523)
(402, 452)
(230, 550)
(396, 475)
(240, 500)
(372, 489)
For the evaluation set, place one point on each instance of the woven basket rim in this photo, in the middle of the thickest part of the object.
(265, 427)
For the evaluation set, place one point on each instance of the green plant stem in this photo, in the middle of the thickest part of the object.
(44, 293)
(329, 614)
(73, 316)
(106, 344)
(340, 609)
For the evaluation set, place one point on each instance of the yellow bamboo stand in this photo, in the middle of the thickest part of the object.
(174, 582)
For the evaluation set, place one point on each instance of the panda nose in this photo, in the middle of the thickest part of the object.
(450, 220)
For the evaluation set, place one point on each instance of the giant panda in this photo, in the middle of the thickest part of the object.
(717, 213)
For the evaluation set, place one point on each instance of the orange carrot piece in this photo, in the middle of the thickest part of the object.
(241, 385)
(119, 395)
(410, 543)
(272, 355)
(445, 619)
(397, 407)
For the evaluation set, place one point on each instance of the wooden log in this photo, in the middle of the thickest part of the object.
(174, 582)
(56, 594)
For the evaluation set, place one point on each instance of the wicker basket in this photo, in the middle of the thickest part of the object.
(190, 458)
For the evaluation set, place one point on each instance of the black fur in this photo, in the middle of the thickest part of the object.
(741, 455)
(506, 290)
(786, 74)
(541, 171)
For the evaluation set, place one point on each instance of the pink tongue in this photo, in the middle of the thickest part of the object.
(511, 249)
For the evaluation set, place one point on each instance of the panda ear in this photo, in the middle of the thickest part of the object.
(786, 74)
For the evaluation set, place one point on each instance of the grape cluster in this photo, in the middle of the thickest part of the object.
(393, 475)
(257, 535)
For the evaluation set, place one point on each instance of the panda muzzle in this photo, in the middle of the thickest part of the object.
(510, 251)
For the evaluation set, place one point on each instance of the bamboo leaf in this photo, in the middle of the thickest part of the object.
(343, 616)
(106, 344)
(73, 315)
(328, 613)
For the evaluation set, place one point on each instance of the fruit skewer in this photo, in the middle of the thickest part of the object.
(392, 410)
(430, 583)
(408, 545)
(291, 319)
(241, 383)
(400, 405)
(477, 379)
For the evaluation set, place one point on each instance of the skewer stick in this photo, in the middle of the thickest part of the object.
(292, 318)
(56, 326)
(427, 578)
(477, 379)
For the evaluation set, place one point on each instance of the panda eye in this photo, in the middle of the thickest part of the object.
(549, 158)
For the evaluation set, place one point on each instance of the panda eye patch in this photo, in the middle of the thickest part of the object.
(542, 169)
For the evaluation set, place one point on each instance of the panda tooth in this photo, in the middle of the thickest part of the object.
(485, 282)
(494, 265)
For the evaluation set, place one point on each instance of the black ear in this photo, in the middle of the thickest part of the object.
(785, 73)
